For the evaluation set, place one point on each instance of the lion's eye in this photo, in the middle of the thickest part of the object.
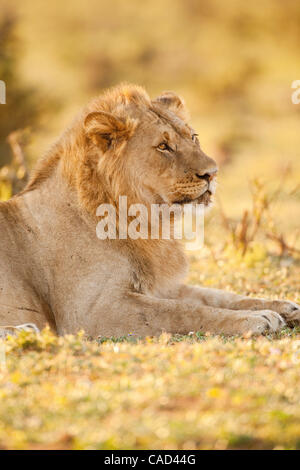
(163, 146)
(194, 137)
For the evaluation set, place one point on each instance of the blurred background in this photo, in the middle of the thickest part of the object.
(233, 62)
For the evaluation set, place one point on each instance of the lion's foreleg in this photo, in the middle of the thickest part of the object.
(144, 315)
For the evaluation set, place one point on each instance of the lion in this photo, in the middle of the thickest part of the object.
(56, 271)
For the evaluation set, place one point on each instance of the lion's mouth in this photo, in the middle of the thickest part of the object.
(205, 199)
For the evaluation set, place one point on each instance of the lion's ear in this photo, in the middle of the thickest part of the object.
(173, 102)
(106, 130)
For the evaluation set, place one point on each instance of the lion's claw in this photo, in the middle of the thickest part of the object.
(262, 321)
(290, 311)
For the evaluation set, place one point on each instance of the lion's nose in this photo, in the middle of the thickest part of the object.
(208, 175)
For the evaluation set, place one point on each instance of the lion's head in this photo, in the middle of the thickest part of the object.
(124, 143)
(145, 149)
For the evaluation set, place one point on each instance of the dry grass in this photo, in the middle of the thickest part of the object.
(191, 392)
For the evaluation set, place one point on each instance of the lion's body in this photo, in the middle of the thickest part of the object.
(53, 268)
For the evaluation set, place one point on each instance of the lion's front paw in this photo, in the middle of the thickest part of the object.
(261, 322)
(290, 311)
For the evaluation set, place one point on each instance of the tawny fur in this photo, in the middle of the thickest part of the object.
(54, 269)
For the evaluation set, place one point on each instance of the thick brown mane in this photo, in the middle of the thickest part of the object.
(76, 153)
(71, 146)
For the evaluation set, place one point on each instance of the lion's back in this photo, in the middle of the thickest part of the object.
(10, 228)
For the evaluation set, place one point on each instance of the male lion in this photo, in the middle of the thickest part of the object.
(55, 270)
